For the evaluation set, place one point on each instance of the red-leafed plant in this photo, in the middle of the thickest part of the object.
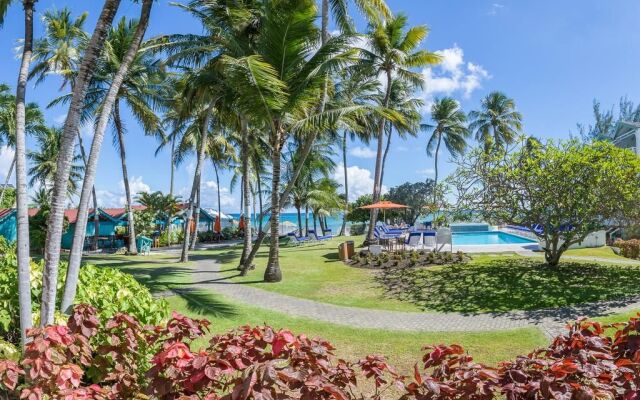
(121, 359)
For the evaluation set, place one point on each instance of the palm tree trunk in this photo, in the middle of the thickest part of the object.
(24, 270)
(299, 220)
(378, 171)
(196, 218)
(173, 164)
(386, 152)
(306, 220)
(246, 193)
(96, 215)
(315, 222)
(133, 250)
(184, 256)
(261, 207)
(55, 222)
(435, 180)
(215, 168)
(75, 257)
(273, 273)
(6, 181)
(322, 224)
(343, 229)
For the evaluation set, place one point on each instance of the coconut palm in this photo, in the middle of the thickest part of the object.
(59, 52)
(67, 147)
(449, 126)
(497, 123)
(44, 162)
(103, 119)
(223, 156)
(391, 53)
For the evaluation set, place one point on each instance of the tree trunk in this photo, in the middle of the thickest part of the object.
(246, 194)
(299, 220)
(75, 257)
(184, 256)
(55, 222)
(245, 252)
(306, 220)
(133, 250)
(343, 229)
(260, 216)
(196, 218)
(6, 181)
(386, 152)
(273, 273)
(22, 216)
(435, 179)
(315, 222)
(173, 164)
(96, 215)
(378, 171)
(215, 168)
(323, 225)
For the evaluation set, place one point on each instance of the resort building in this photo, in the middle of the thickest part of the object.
(628, 136)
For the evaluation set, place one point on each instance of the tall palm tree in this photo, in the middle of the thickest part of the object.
(449, 126)
(223, 156)
(391, 53)
(44, 162)
(59, 52)
(103, 119)
(67, 147)
(497, 123)
(22, 216)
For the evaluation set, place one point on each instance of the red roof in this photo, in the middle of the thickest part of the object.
(118, 212)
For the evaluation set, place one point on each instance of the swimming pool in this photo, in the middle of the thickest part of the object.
(488, 237)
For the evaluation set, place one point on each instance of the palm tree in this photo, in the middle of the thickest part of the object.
(59, 52)
(104, 116)
(497, 124)
(44, 162)
(22, 216)
(450, 126)
(67, 146)
(222, 155)
(34, 124)
(391, 52)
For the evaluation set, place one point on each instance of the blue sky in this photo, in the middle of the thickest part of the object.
(552, 57)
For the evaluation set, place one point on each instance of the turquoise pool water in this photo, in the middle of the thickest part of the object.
(488, 237)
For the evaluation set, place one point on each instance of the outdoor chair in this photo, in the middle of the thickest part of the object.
(429, 239)
(314, 236)
(297, 240)
(144, 245)
(414, 241)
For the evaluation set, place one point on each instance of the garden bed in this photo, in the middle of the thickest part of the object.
(406, 259)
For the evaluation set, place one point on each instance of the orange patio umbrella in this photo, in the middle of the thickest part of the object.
(217, 227)
(241, 223)
(384, 205)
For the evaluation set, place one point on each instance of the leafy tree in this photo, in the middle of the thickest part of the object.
(8, 198)
(450, 127)
(356, 214)
(416, 195)
(605, 122)
(497, 123)
(562, 192)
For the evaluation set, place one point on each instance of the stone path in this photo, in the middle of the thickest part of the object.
(207, 276)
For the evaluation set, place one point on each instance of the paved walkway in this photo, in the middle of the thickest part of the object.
(207, 276)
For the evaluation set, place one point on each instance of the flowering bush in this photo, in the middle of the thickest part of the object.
(628, 248)
(121, 359)
(107, 289)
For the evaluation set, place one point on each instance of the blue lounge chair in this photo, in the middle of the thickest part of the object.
(297, 240)
(319, 238)
(328, 232)
(379, 233)
(414, 241)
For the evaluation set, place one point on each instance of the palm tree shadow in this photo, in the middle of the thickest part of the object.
(203, 302)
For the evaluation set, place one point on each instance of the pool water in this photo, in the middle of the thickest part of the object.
(487, 237)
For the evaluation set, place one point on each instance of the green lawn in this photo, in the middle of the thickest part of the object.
(487, 283)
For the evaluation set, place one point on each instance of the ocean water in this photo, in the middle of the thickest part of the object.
(289, 221)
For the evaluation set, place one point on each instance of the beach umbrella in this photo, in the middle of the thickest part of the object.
(217, 227)
(384, 205)
(241, 223)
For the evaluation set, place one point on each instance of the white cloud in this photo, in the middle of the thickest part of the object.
(362, 152)
(452, 75)
(209, 195)
(117, 198)
(495, 8)
(426, 171)
(136, 185)
(360, 181)
(6, 157)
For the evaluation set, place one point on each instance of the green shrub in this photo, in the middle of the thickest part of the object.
(628, 248)
(108, 289)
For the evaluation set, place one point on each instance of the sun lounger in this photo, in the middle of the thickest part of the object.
(314, 236)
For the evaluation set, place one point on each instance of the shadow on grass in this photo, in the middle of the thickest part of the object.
(203, 302)
(510, 284)
(156, 279)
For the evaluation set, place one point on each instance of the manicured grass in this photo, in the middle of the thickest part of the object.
(402, 348)
(599, 252)
(314, 272)
(487, 283)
